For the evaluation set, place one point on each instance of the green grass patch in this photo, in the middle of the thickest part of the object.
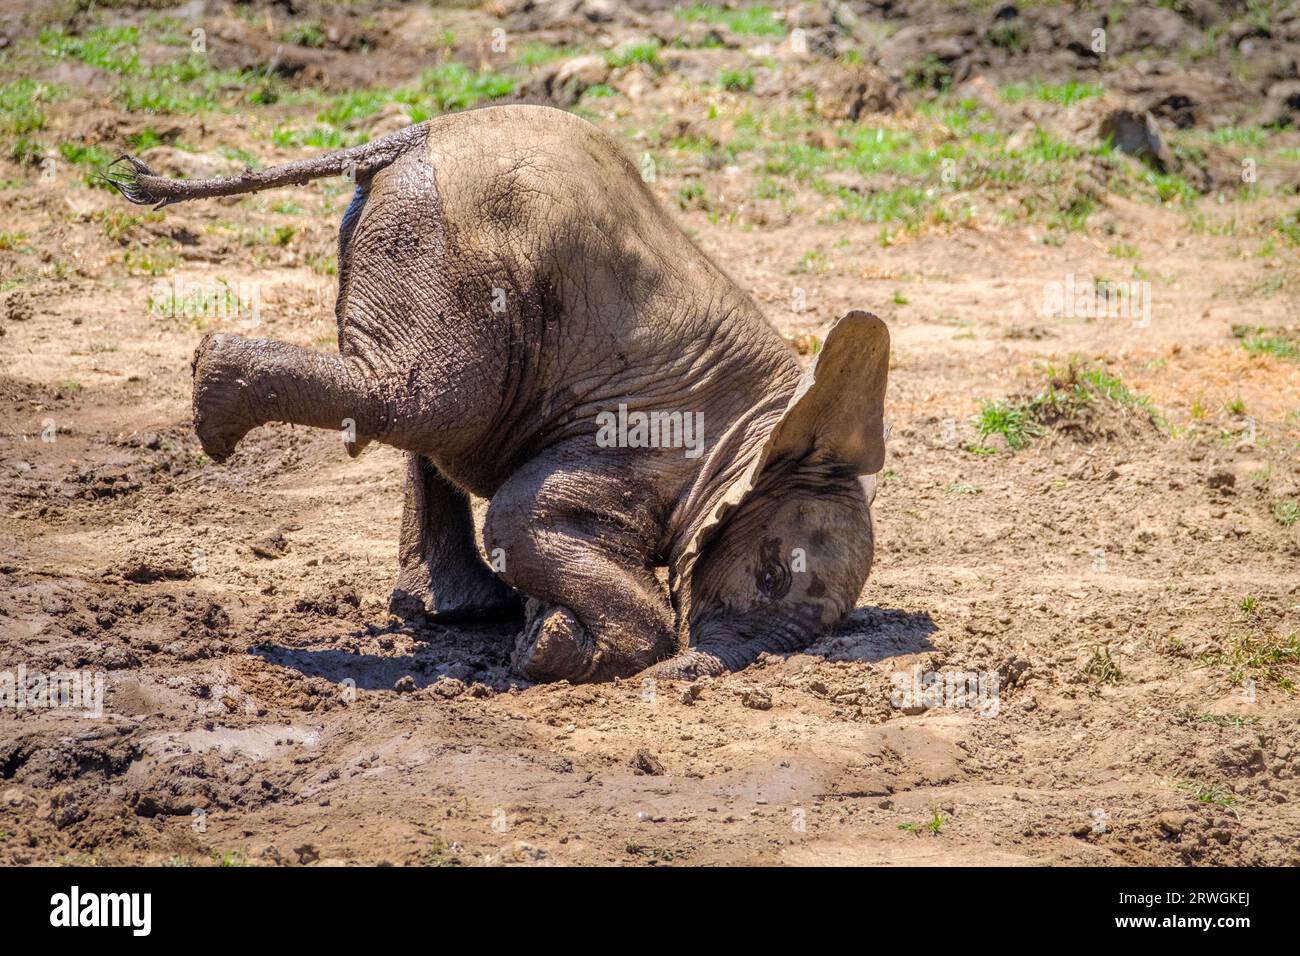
(228, 858)
(934, 826)
(309, 34)
(440, 854)
(115, 49)
(444, 88)
(94, 159)
(1102, 668)
(539, 54)
(189, 85)
(691, 195)
(1013, 422)
(906, 205)
(1062, 94)
(83, 154)
(1188, 715)
(756, 20)
(1239, 136)
(1171, 188)
(1065, 400)
(646, 51)
(146, 138)
(1288, 227)
(1042, 179)
(22, 105)
(1216, 794)
(1268, 656)
(1098, 381)
(1070, 391)
(121, 225)
(1008, 35)
(347, 108)
(737, 81)
(454, 86)
(1045, 148)
(1283, 343)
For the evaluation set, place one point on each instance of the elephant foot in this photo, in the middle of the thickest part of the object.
(220, 396)
(453, 599)
(554, 646)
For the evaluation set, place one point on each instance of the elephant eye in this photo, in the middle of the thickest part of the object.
(773, 579)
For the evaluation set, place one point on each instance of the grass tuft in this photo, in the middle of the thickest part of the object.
(1102, 667)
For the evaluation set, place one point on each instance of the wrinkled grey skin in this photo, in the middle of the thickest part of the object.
(602, 300)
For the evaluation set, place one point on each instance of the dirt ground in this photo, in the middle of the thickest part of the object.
(1117, 546)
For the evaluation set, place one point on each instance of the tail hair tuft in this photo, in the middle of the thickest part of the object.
(125, 174)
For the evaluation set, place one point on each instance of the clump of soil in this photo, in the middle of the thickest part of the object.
(1089, 404)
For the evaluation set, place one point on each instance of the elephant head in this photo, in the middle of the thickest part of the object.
(784, 546)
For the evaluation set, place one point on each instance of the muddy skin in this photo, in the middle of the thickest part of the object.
(504, 277)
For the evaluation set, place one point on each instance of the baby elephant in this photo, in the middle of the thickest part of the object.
(519, 315)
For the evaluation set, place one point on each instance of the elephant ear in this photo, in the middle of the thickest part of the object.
(838, 409)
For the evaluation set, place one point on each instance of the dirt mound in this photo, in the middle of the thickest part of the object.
(1088, 404)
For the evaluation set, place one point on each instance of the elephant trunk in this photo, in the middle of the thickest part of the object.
(722, 649)
(688, 665)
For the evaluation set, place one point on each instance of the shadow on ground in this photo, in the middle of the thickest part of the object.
(482, 653)
(875, 633)
(467, 653)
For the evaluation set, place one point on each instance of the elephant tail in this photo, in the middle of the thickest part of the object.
(142, 186)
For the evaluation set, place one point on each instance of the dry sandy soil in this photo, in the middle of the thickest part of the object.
(1131, 575)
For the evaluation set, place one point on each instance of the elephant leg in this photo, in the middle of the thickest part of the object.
(242, 383)
(596, 611)
(440, 571)
(603, 620)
